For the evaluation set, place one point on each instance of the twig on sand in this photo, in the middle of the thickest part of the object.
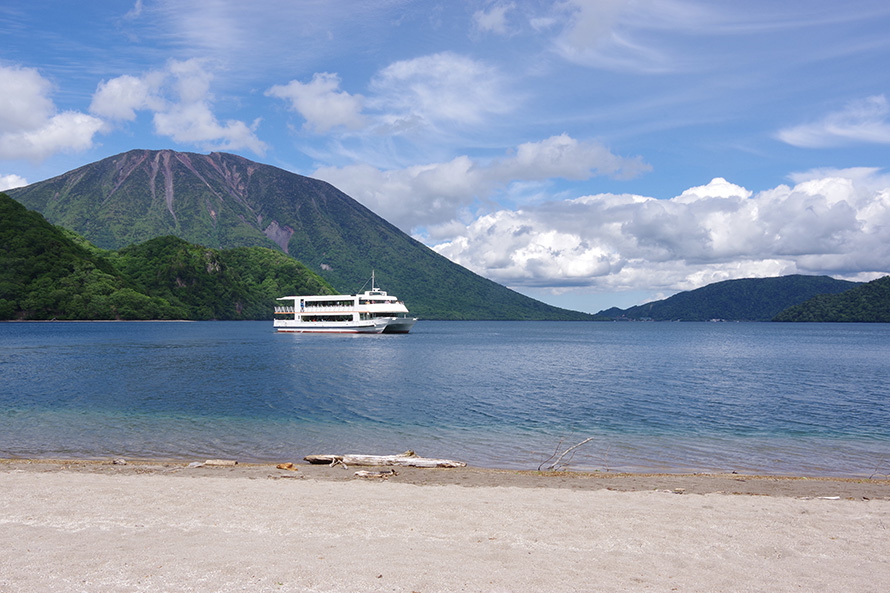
(878, 469)
(558, 464)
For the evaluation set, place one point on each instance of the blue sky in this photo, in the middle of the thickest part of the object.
(589, 153)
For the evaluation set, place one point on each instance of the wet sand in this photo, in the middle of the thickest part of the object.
(163, 526)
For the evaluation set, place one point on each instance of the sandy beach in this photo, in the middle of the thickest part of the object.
(155, 526)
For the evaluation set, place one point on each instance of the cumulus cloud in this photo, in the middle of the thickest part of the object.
(862, 121)
(30, 125)
(12, 181)
(322, 103)
(832, 225)
(119, 98)
(441, 193)
(180, 99)
(25, 103)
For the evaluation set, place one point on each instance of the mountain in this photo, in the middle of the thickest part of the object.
(748, 299)
(49, 272)
(224, 201)
(869, 303)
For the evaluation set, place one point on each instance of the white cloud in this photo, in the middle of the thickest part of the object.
(24, 103)
(435, 93)
(12, 181)
(190, 119)
(63, 132)
(596, 35)
(120, 98)
(135, 12)
(717, 188)
(30, 125)
(418, 195)
(510, 245)
(440, 88)
(180, 99)
(591, 22)
(440, 193)
(859, 175)
(495, 19)
(833, 225)
(322, 103)
(566, 157)
(864, 121)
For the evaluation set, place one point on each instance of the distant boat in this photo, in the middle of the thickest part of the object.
(371, 312)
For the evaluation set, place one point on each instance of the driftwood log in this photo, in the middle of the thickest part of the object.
(383, 474)
(403, 460)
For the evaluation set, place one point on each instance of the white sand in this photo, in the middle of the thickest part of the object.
(70, 531)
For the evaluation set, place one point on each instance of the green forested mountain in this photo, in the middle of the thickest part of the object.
(748, 299)
(225, 201)
(47, 272)
(240, 283)
(866, 303)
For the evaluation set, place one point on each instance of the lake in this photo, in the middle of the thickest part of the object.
(803, 399)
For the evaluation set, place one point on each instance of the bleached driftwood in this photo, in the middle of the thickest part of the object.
(403, 460)
(383, 474)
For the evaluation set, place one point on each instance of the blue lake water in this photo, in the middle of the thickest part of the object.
(810, 399)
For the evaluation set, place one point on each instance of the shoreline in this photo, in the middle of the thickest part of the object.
(144, 526)
(476, 477)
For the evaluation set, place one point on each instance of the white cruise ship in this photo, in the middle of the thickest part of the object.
(371, 312)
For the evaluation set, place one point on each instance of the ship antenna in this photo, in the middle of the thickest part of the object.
(366, 283)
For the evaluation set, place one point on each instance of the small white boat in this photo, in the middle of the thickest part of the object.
(371, 312)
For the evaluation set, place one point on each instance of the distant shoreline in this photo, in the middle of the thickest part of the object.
(112, 320)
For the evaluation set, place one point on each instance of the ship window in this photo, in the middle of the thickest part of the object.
(326, 318)
(331, 303)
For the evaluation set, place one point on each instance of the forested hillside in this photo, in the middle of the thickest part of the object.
(51, 273)
(867, 303)
(747, 299)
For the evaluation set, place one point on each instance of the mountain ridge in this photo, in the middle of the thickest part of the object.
(743, 299)
(865, 303)
(220, 200)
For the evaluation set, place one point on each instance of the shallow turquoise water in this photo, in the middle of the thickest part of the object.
(753, 397)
